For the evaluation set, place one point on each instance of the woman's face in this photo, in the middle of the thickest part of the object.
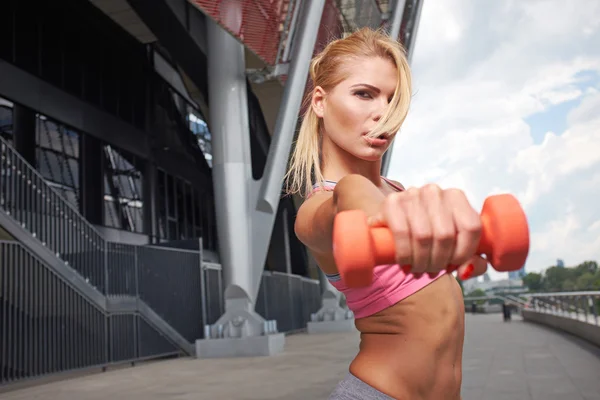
(351, 109)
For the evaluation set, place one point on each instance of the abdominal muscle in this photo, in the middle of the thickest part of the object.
(413, 350)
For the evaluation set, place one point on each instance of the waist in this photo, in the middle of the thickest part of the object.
(414, 348)
(406, 366)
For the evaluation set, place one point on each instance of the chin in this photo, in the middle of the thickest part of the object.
(372, 154)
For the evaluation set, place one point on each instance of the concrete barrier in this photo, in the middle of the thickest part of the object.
(583, 330)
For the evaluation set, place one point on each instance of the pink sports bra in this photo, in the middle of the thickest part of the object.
(390, 284)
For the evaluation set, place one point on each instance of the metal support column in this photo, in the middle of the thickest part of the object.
(246, 209)
(396, 23)
(331, 317)
(398, 18)
(267, 191)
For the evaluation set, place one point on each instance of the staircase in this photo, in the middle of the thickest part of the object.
(69, 299)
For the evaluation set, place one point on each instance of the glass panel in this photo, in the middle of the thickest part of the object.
(57, 157)
(123, 185)
(199, 127)
(5, 120)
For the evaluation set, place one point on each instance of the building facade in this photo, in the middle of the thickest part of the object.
(109, 238)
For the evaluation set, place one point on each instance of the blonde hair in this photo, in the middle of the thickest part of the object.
(326, 71)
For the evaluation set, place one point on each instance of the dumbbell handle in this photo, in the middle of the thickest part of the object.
(504, 243)
(384, 247)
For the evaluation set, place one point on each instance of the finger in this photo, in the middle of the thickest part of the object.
(473, 268)
(467, 223)
(480, 265)
(442, 225)
(376, 220)
(396, 221)
(421, 232)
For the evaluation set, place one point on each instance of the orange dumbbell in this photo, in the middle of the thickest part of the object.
(358, 248)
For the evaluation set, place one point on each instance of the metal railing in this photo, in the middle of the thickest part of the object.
(150, 301)
(288, 299)
(43, 212)
(48, 326)
(167, 280)
(508, 299)
(582, 306)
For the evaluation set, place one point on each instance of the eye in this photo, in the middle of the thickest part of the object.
(362, 94)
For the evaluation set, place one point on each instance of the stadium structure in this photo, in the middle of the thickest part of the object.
(143, 145)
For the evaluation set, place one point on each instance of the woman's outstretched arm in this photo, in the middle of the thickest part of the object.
(314, 222)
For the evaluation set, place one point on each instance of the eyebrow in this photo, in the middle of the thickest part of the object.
(375, 89)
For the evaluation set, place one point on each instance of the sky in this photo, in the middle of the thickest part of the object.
(506, 99)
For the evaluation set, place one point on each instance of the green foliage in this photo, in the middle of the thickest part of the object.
(585, 276)
(533, 281)
(477, 293)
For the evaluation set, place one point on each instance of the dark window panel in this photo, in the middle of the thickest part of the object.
(52, 53)
(7, 16)
(27, 37)
(73, 68)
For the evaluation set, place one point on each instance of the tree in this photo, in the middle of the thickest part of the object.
(555, 278)
(533, 281)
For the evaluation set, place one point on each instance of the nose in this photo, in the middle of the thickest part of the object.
(380, 108)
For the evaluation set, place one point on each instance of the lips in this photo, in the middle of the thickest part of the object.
(379, 141)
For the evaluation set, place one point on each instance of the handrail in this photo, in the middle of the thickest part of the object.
(16, 154)
(563, 294)
(581, 305)
(49, 217)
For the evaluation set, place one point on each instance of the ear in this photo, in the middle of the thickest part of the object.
(318, 101)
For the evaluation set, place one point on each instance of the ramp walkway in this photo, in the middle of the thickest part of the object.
(516, 360)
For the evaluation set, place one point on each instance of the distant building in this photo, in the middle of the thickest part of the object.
(516, 275)
(560, 263)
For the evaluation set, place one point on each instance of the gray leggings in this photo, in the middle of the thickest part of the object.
(352, 388)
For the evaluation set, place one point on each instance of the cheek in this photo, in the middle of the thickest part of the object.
(347, 115)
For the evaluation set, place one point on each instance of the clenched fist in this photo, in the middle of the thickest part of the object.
(434, 230)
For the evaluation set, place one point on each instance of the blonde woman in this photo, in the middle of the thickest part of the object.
(411, 317)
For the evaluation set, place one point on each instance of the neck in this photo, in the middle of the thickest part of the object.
(340, 163)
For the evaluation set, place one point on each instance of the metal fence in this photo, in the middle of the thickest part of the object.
(69, 299)
(48, 326)
(288, 299)
(582, 306)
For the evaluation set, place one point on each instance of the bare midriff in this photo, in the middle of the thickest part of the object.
(413, 350)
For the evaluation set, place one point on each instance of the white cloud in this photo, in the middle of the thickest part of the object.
(480, 69)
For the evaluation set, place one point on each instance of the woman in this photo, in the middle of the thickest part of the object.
(411, 317)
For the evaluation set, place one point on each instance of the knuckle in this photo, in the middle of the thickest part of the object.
(445, 236)
(423, 237)
(392, 200)
(473, 225)
(410, 192)
(401, 231)
(431, 189)
(454, 193)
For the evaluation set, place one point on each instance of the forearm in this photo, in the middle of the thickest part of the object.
(354, 192)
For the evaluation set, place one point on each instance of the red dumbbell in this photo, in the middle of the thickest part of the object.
(358, 248)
